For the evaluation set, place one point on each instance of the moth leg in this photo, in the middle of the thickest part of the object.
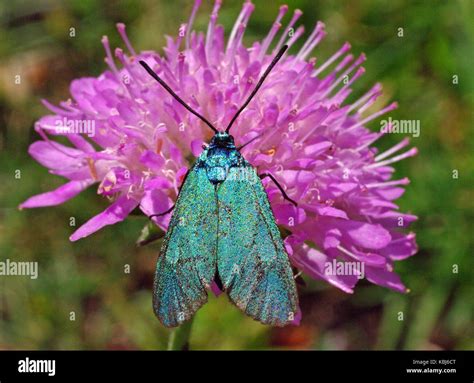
(161, 214)
(285, 196)
(172, 207)
(250, 141)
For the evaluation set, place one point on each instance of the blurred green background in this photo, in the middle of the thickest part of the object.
(113, 308)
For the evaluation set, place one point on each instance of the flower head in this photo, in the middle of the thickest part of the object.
(136, 142)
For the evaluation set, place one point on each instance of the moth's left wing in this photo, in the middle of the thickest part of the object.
(251, 259)
(187, 262)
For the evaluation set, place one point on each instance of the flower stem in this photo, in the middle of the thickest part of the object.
(179, 338)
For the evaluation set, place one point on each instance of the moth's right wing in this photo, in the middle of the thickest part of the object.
(252, 261)
(187, 262)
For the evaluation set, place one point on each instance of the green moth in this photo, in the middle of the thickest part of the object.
(222, 229)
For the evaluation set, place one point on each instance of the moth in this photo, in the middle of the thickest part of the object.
(222, 229)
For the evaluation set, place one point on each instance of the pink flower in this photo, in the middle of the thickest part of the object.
(135, 141)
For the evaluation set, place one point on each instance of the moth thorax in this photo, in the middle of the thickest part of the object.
(222, 140)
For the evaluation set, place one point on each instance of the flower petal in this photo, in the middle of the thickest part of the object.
(401, 247)
(325, 210)
(54, 155)
(196, 147)
(57, 196)
(366, 235)
(384, 277)
(215, 289)
(152, 160)
(157, 183)
(116, 212)
(313, 262)
(156, 201)
(297, 318)
(287, 214)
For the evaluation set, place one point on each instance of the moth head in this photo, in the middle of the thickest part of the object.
(222, 140)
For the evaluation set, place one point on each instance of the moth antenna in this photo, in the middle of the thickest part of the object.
(259, 84)
(152, 73)
(250, 141)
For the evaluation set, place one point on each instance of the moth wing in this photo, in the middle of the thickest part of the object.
(251, 259)
(187, 262)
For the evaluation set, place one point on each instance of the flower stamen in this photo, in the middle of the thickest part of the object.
(296, 15)
(123, 34)
(92, 168)
(410, 153)
(393, 149)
